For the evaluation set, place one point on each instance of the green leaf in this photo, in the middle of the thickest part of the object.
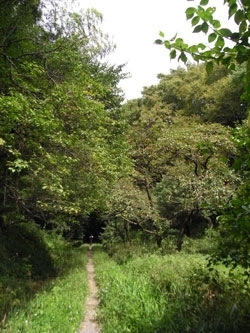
(161, 34)
(243, 27)
(158, 42)
(167, 44)
(232, 9)
(205, 27)
(204, 2)
(183, 57)
(239, 16)
(216, 24)
(201, 46)
(173, 54)
(225, 32)
(209, 67)
(208, 14)
(195, 20)
(193, 49)
(179, 41)
(235, 36)
(212, 37)
(220, 42)
(198, 28)
(190, 12)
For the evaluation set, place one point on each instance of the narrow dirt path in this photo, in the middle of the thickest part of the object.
(89, 325)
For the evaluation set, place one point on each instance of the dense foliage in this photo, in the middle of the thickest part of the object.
(234, 221)
(173, 293)
(181, 152)
(61, 134)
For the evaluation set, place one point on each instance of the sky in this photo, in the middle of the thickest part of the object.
(134, 25)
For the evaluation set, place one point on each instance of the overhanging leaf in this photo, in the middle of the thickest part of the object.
(209, 67)
(173, 54)
(225, 32)
(212, 37)
(239, 16)
(195, 20)
(183, 57)
(190, 12)
(204, 2)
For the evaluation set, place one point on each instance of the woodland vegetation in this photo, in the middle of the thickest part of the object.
(149, 176)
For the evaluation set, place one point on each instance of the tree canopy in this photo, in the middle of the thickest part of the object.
(61, 131)
(234, 221)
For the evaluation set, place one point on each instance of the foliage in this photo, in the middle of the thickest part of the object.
(202, 19)
(234, 221)
(128, 211)
(62, 142)
(179, 162)
(174, 293)
(233, 247)
(213, 97)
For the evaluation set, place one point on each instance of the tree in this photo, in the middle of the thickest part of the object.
(214, 97)
(234, 242)
(61, 143)
(178, 160)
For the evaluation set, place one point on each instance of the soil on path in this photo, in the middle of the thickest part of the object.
(89, 325)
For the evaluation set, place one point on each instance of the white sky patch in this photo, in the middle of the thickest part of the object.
(134, 25)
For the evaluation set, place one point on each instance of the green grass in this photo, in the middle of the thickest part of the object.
(58, 306)
(174, 293)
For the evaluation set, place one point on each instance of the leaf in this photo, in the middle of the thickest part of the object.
(239, 16)
(243, 27)
(209, 67)
(201, 46)
(212, 37)
(216, 24)
(205, 27)
(173, 54)
(158, 42)
(198, 28)
(195, 20)
(167, 44)
(179, 41)
(193, 49)
(225, 32)
(220, 42)
(232, 10)
(204, 2)
(183, 57)
(190, 12)
(235, 36)
(161, 34)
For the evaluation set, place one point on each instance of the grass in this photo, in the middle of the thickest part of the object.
(58, 306)
(174, 293)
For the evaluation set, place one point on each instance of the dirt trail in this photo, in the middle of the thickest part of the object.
(89, 325)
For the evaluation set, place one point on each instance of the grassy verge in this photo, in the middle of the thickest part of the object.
(58, 306)
(173, 293)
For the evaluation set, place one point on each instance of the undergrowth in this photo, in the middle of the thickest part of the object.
(173, 293)
(43, 281)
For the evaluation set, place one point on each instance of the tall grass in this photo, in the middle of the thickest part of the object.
(174, 293)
